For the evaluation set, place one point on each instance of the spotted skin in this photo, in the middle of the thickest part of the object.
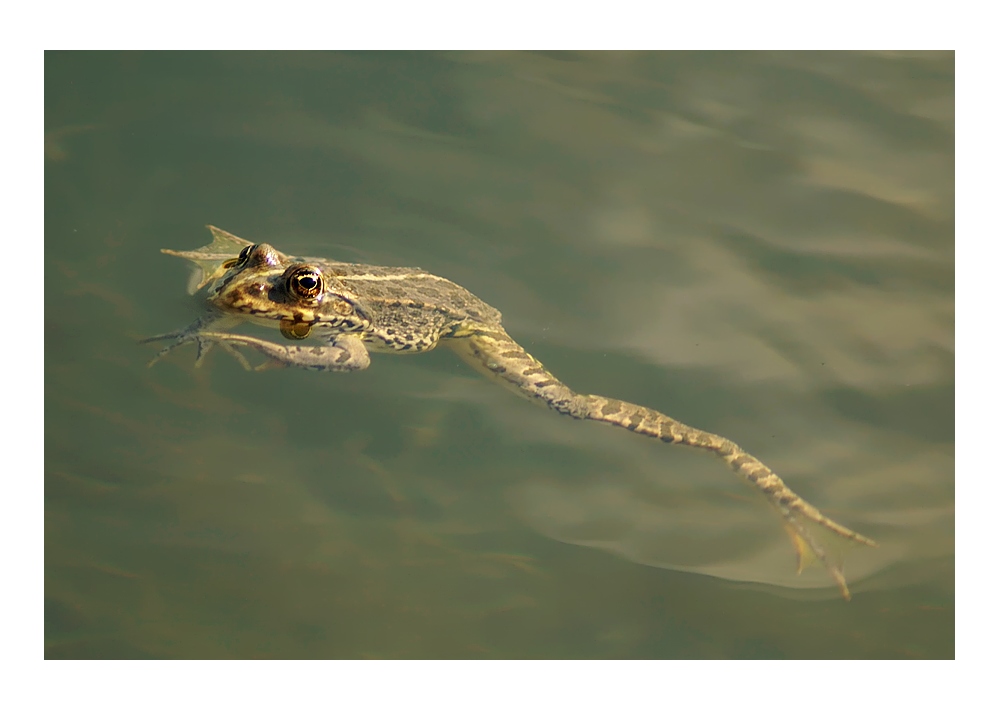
(351, 309)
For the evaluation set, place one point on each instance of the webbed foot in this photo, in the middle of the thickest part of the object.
(807, 548)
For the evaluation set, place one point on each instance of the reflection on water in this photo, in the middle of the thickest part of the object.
(759, 245)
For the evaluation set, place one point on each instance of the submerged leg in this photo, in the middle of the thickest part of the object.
(342, 354)
(500, 356)
(195, 333)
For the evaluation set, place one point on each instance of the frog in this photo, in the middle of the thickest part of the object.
(337, 313)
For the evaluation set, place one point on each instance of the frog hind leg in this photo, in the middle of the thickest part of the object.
(498, 355)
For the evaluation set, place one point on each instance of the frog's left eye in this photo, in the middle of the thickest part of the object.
(244, 254)
(305, 281)
(239, 260)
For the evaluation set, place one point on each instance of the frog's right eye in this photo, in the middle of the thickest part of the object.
(239, 260)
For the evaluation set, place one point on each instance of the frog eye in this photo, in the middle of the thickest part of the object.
(305, 281)
(239, 260)
(244, 254)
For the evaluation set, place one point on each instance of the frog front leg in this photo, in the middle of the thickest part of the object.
(341, 353)
(194, 333)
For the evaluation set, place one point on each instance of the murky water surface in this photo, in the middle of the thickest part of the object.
(760, 245)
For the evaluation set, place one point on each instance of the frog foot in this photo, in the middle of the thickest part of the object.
(808, 548)
(195, 334)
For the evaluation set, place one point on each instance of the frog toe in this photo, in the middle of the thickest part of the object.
(232, 350)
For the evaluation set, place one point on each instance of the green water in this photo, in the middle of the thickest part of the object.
(760, 245)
